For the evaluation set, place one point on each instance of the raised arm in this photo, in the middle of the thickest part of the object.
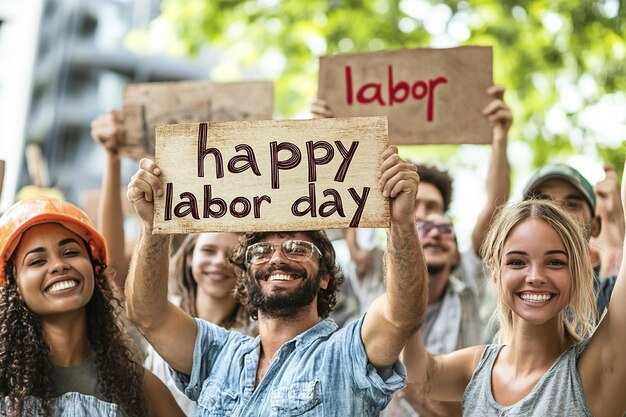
(439, 378)
(170, 331)
(394, 316)
(500, 118)
(108, 130)
(601, 365)
(609, 209)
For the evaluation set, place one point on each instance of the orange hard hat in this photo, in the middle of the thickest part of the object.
(37, 210)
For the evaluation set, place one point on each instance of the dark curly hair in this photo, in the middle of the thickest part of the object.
(25, 359)
(326, 299)
(441, 180)
(185, 286)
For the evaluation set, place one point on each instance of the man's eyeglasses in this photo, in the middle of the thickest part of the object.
(295, 250)
(424, 228)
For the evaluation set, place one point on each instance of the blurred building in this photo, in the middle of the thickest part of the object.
(62, 63)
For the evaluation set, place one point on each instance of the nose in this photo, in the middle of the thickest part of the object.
(535, 275)
(58, 264)
(278, 257)
(434, 231)
(221, 258)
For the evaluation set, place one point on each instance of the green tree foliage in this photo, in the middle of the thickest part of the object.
(555, 57)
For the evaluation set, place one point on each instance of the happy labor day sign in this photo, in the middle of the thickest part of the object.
(431, 96)
(271, 175)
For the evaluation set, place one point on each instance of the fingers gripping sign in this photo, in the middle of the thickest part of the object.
(399, 180)
(142, 189)
(498, 114)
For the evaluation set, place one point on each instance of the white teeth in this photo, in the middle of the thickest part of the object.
(63, 285)
(280, 277)
(536, 298)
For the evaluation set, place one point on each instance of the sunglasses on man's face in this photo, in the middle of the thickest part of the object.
(444, 229)
(293, 249)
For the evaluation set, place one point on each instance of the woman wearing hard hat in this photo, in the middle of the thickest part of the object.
(62, 350)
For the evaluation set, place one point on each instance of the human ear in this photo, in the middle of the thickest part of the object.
(325, 281)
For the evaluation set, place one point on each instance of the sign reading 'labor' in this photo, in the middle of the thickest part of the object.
(431, 96)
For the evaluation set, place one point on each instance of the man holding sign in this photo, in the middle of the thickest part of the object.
(300, 363)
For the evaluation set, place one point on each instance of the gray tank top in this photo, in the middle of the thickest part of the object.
(558, 393)
(82, 378)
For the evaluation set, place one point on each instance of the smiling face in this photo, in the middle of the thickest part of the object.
(280, 287)
(53, 270)
(535, 278)
(210, 267)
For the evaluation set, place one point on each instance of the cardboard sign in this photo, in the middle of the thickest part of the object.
(430, 95)
(152, 104)
(271, 175)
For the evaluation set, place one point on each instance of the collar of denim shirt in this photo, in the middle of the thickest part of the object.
(324, 328)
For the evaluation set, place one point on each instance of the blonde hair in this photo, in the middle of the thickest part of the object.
(579, 317)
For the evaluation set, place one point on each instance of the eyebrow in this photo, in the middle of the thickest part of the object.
(42, 249)
(67, 241)
(549, 252)
(546, 196)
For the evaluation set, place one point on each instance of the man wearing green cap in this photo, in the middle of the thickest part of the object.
(566, 186)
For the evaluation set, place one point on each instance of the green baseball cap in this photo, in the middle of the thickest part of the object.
(563, 172)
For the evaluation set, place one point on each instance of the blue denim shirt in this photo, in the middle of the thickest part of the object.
(321, 372)
(71, 404)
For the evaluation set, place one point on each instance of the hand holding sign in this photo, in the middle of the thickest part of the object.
(144, 185)
(498, 114)
(399, 181)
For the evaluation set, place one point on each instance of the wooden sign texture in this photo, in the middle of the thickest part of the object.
(431, 96)
(274, 175)
(148, 105)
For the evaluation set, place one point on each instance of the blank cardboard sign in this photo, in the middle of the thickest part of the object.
(271, 175)
(431, 96)
(148, 105)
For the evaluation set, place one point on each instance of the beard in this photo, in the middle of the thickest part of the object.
(283, 304)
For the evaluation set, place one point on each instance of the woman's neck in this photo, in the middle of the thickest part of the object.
(215, 310)
(67, 336)
(535, 347)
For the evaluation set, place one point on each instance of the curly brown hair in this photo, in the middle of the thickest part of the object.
(326, 299)
(25, 359)
(185, 286)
